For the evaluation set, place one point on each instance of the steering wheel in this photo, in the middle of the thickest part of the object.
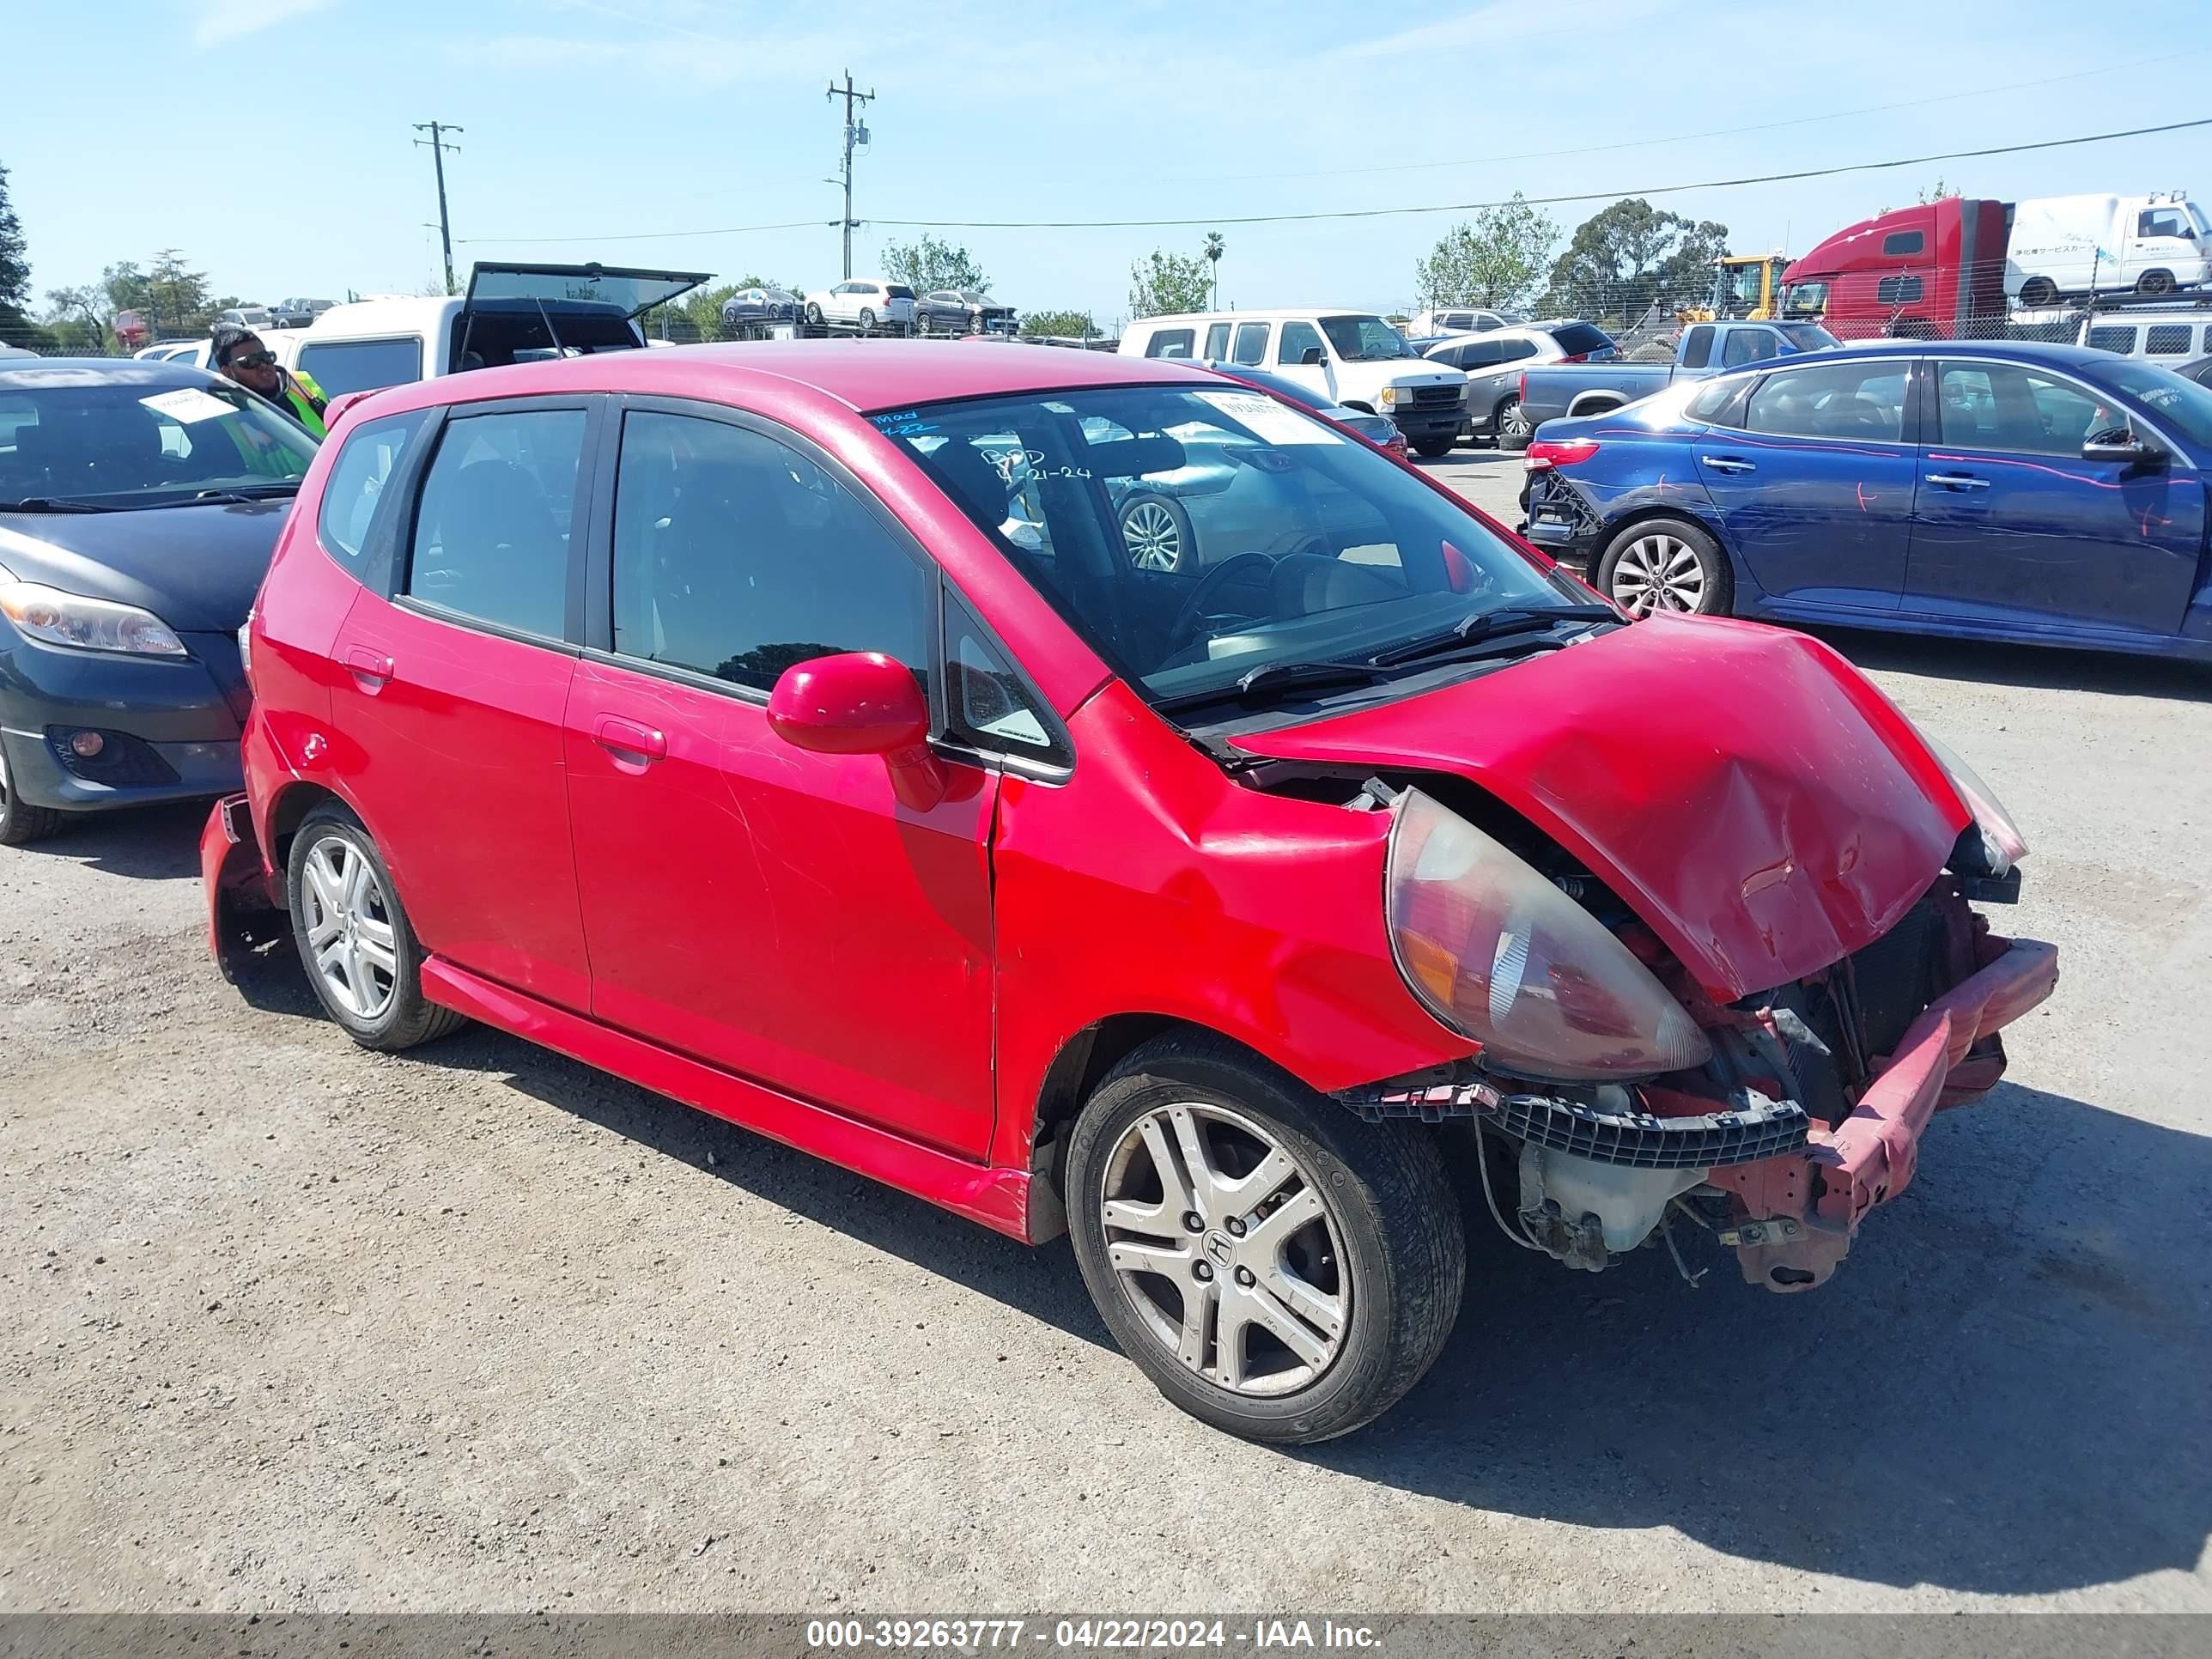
(1185, 629)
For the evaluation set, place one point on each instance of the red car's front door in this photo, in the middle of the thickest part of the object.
(450, 696)
(775, 912)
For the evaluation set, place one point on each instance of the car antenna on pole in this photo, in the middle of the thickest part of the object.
(855, 133)
(437, 146)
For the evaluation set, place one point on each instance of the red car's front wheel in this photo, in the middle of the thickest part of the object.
(1277, 1267)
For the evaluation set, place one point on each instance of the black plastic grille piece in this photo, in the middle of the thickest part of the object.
(1644, 1142)
(1760, 1128)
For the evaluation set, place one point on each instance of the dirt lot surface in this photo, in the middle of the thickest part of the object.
(293, 1325)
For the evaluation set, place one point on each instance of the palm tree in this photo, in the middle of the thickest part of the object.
(1213, 247)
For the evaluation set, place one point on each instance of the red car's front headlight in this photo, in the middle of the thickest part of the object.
(1495, 950)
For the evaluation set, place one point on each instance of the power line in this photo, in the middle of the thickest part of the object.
(1215, 220)
(657, 235)
(1532, 201)
(2162, 60)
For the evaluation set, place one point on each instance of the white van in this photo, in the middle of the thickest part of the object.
(1353, 358)
(510, 314)
(2171, 338)
(2063, 244)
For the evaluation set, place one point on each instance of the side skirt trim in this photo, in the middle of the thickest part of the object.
(997, 1198)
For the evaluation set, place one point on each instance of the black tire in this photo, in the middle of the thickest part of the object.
(2039, 291)
(1135, 530)
(21, 822)
(1434, 448)
(407, 1018)
(2155, 284)
(1508, 425)
(1715, 583)
(1389, 1204)
(867, 320)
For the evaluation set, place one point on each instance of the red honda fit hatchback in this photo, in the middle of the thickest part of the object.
(1095, 795)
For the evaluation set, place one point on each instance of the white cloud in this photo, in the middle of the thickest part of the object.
(220, 21)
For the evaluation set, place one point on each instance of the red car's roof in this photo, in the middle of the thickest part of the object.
(866, 376)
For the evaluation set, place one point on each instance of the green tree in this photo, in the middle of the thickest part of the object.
(1165, 283)
(1929, 195)
(929, 264)
(1495, 259)
(177, 299)
(1632, 256)
(15, 328)
(77, 316)
(1214, 248)
(1059, 324)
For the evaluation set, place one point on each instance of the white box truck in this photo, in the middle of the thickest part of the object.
(2063, 245)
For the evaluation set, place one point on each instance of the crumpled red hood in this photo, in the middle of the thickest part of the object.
(1747, 791)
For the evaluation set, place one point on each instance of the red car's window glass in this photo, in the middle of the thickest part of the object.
(491, 535)
(737, 556)
(355, 488)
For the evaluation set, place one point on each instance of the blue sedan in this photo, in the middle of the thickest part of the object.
(1993, 490)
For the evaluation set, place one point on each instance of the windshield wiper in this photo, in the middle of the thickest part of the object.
(268, 492)
(1274, 677)
(1479, 625)
(54, 504)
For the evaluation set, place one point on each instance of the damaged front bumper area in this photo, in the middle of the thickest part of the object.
(1817, 1129)
(245, 910)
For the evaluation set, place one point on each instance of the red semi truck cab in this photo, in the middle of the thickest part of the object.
(1936, 272)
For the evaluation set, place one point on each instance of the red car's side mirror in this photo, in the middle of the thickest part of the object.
(861, 703)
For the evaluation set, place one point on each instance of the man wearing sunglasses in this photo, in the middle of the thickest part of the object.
(238, 355)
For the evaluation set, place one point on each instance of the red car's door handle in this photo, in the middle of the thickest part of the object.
(371, 669)
(628, 741)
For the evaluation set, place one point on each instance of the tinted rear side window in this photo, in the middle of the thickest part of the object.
(1697, 349)
(491, 534)
(1251, 344)
(342, 366)
(735, 556)
(1576, 338)
(2122, 340)
(356, 488)
(1896, 290)
(1900, 242)
(1170, 342)
(2169, 340)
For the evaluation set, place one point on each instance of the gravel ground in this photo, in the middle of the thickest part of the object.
(293, 1325)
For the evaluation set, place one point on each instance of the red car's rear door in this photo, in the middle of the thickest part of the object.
(776, 912)
(450, 694)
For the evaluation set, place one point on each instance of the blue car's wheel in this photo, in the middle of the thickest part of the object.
(1665, 564)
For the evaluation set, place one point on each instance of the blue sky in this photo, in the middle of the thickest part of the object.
(589, 120)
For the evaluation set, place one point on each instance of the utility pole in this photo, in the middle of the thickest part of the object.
(855, 133)
(437, 145)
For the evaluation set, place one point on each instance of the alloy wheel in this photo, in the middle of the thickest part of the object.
(1511, 423)
(350, 930)
(1226, 1250)
(1659, 573)
(1149, 531)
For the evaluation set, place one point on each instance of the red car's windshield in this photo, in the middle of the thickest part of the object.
(1193, 535)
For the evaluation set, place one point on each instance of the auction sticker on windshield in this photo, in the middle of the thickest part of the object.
(189, 404)
(1266, 418)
